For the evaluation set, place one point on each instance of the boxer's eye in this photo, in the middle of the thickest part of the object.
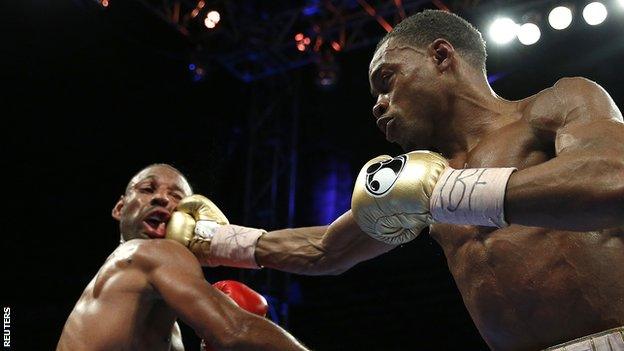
(177, 196)
(385, 80)
(147, 190)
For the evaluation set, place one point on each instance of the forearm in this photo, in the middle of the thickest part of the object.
(318, 250)
(256, 333)
(224, 326)
(570, 192)
(298, 250)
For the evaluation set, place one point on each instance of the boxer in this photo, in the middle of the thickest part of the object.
(133, 301)
(526, 198)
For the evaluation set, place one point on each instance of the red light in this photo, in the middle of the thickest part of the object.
(318, 43)
(301, 47)
(105, 3)
(306, 41)
(299, 36)
(194, 13)
(336, 46)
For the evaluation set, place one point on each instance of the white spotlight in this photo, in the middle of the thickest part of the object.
(212, 18)
(529, 34)
(595, 13)
(621, 3)
(503, 30)
(560, 17)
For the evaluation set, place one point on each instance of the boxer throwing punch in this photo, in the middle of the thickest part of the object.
(526, 198)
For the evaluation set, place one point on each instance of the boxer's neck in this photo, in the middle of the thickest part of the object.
(474, 111)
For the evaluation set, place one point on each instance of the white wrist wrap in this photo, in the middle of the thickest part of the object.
(230, 245)
(473, 196)
(206, 229)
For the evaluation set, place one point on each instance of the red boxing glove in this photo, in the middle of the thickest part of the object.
(245, 297)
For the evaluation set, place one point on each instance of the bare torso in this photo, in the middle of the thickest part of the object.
(119, 310)
(528, 288)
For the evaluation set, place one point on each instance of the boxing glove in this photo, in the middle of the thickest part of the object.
(396, 197)
(245, 297)
(391, 195)
(198, 224)
(183, 224)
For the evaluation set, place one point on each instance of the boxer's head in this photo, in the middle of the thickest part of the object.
(150, 197)
(415, 73)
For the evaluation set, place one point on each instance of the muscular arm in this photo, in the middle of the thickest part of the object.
(177, 277)
(582, 188)
(318, 250)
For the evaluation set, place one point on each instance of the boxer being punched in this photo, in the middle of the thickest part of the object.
(528, 203)
(133, 301)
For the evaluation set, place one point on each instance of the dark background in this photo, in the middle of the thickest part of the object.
(90, 97)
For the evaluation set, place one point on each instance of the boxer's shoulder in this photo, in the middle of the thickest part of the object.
(576, 87)
(131, 264)
(150, 253)
(549, 108)
(574, 93)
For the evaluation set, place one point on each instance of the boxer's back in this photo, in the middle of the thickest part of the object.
(119, 310)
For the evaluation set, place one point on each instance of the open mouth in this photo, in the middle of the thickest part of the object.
(155, 223)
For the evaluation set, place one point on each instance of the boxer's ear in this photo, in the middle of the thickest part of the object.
(116, 213)
(443, 54)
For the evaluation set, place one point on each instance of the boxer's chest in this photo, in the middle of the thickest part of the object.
(517, 145)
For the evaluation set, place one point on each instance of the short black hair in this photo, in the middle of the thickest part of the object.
(424, 27)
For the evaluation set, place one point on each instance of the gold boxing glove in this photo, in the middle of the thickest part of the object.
(184, 227)
(391, 195)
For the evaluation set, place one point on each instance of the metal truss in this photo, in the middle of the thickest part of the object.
(270, 175)
(256, 39)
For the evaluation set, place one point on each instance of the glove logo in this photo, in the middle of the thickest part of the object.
(381, 176)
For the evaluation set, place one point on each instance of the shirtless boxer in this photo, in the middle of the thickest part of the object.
(133, 301)
(547, 269)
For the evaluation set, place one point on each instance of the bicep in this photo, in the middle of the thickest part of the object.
(591, 120)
